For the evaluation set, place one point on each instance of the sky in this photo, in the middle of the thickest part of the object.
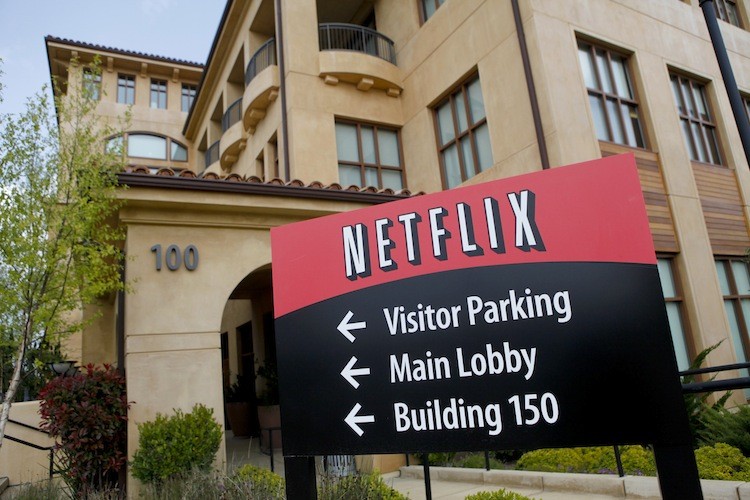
(181, 29)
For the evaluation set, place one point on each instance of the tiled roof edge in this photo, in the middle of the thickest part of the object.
(103, 48)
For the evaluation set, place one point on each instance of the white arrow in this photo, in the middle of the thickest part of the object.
(352, 419)
(346, 328)
(349, 372)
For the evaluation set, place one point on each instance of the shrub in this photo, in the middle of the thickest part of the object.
(724, 426)
(357, 487)
(476, 461)
(722, 461)
(697, 404)
(636, 460)
(552, 460)
(261, 483)
(501, 494)
(441, 459)
(171, 446)
(87, 414)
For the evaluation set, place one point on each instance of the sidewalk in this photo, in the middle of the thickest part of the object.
(450, 483)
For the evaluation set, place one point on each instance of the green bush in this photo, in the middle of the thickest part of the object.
(263, 483)
(553, 460)
(502, 494)
(357, 487)
(87, 415)
(697, 404)
(722, 461)
(170, 446)
(724, 426)
(636, 460)
(441, 459)
(476, 461)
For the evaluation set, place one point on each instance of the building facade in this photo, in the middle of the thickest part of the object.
(312, 107)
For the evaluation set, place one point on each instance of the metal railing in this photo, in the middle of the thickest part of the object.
(50, 449)
(232, 115)
(212, 154)
(339, 36)
(264, 57)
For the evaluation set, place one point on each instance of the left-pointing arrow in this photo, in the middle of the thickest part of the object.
(346, 328)
(353, 419)
(349, 372)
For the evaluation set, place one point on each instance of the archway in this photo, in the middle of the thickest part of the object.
(248, 349)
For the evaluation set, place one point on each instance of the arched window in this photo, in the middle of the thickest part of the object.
(146, 145)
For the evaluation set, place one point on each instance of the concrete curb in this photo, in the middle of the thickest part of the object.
(620, 487)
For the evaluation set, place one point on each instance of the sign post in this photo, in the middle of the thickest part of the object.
(525, 312)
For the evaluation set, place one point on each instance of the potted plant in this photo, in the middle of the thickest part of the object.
(237, 403)
(269, 414)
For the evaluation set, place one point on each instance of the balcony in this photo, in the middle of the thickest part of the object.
(342, 47)
(212, 154)
(264, 57)
(261, 85)
(233, 137)
(232, 115)
(340, 36)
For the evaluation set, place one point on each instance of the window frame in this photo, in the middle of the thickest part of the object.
(704, 125)
(679, 299)
(423, 17)
(362, 164)
(619, 100)
(160, 91)
(192, 91)
(723, 12)
(129, 85)
(93, 81)
(735, 299)
(125, 137)
(462, 86)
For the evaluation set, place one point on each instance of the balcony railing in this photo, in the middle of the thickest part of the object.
(212, 154)
(232, 115)
(338, 36)
(264, 57)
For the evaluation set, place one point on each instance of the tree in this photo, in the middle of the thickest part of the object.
(59, 247)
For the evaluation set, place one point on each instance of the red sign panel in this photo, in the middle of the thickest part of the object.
(524, 219)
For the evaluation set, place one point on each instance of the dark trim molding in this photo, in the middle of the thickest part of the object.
(222, 186)
(282, 89)
(540, 140)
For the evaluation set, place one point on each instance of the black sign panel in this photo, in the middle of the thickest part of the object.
(486, 358)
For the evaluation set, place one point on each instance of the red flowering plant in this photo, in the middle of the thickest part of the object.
(87, 415)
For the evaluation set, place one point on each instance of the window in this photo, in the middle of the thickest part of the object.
(734, 279)
(463, 136)
(92, 83)
(159, 94)
(673, 301)
(698, 128)
(125, 89)
(154, 147)
(188, 95)
(369, 155)
(611, 95)
(726, 10)
(428, 8)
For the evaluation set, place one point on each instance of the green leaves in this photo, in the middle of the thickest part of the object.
(59, 242)
(171, 446)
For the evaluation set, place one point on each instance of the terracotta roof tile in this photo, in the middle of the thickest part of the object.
(104, 48)
(253, 179)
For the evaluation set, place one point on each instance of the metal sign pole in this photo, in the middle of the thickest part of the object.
(300, 478)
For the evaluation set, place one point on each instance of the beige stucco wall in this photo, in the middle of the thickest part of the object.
(20, 463)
